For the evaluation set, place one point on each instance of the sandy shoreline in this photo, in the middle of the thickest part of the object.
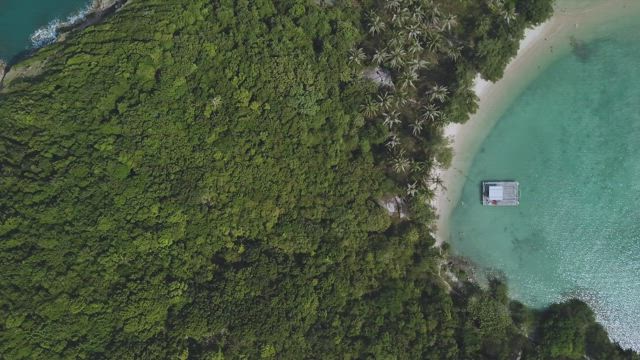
(540, 47)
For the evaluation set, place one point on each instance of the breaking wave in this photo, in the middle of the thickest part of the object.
(49, 33)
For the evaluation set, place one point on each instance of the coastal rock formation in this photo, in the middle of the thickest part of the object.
(378, 75)
(394, 205)
(101, 5)
(3, 66)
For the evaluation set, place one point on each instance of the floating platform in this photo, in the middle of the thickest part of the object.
(500, 193)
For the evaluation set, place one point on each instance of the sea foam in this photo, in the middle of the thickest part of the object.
(49, 33)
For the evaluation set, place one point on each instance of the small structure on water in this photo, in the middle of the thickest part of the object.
(500, 193)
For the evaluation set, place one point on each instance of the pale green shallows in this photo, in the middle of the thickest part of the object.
(19, 19)
(572, 140)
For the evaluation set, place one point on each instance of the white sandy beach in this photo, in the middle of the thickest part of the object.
(538, 49)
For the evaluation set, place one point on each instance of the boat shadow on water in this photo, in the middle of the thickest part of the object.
(580, 49)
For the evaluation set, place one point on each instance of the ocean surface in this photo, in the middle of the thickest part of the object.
(572, 140)
(20, 20)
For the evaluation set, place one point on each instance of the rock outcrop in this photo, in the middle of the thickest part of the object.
(101, 5)
(379, 75)
(3, 69)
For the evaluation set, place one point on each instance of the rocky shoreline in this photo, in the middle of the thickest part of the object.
(98, 10)
(3, 66)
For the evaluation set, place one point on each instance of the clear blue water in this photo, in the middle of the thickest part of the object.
(572, 140)
(19, 19)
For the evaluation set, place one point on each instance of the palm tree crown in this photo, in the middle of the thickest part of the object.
(438, 92)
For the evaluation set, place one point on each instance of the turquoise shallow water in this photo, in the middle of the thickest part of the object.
(572, 139)
(19, 19)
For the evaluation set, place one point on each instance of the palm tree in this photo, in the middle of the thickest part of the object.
(454, 52)
(438, 92)
(380, 56)
(216, 102)
(509, 15)
(435, 11)
(385, 100)
(435, 17)
(370, 109)
(396, 59)
(415, 48)
(391, 119)
(357, 56)
(405, 13)
(408, 79)
(400, 18)
(416, 127)
(412, 189)
(397, 41)
(430, 113)
(449, 22)
(400, 163)
(376, 25)
(397, 21)
(495, 6)
(418, 64)
(393, 142)
(414, 31)
(434, 41)
(418, 14)
(392, 5)
(417, 167)
(401, 99)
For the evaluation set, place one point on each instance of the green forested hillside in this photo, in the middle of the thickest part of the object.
(200, 179)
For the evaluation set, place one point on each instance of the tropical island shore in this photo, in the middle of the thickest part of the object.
(196, 179)
(539, 48)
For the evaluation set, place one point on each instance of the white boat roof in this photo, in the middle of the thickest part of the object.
(496, 192)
